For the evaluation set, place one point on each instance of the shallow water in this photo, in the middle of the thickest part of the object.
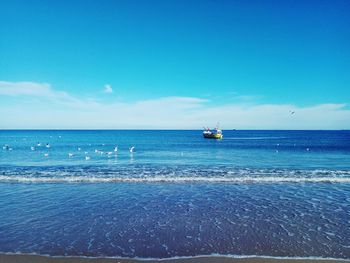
(272, 193)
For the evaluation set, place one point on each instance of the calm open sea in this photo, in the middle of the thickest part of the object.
(268, 193)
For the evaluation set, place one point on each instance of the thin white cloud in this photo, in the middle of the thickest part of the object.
(61, 110)
(107, 88)
(42, 92)
(28, 88)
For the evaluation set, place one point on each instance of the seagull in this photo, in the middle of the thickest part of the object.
(7, 148)
(38, 144)
(32, 148)
(109, 154)
(48, 145)
(79, 148)
(116, 148)
(70, 154)
(86, 153)
(132, 149)
(307, 149)
(87, 157)
(46, 155)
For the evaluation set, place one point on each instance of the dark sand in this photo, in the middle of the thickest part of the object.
(20, 258)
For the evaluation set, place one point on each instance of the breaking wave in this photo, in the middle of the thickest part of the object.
(159, 179)
(165, 174)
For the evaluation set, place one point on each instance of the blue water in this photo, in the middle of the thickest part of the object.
(267, 193)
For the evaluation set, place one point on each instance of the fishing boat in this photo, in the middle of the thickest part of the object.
(216, 133)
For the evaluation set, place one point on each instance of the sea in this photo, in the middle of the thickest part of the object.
(255, 192)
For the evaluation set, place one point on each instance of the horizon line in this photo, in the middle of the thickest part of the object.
(156, 129)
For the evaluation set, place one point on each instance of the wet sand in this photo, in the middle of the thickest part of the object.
(22, 258)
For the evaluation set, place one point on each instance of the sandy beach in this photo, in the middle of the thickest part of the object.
(23, 258)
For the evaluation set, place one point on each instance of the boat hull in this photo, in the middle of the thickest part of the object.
(212, 136)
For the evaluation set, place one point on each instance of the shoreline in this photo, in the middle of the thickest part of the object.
(33, 258)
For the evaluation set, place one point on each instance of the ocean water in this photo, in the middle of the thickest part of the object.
(266, 193)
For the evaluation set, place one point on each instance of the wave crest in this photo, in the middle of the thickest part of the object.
(164, 174)
(159, 179)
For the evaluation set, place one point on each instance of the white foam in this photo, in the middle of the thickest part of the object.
(165, 179)
(212, 255)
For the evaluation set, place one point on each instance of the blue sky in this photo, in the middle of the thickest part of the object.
(246, 64)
